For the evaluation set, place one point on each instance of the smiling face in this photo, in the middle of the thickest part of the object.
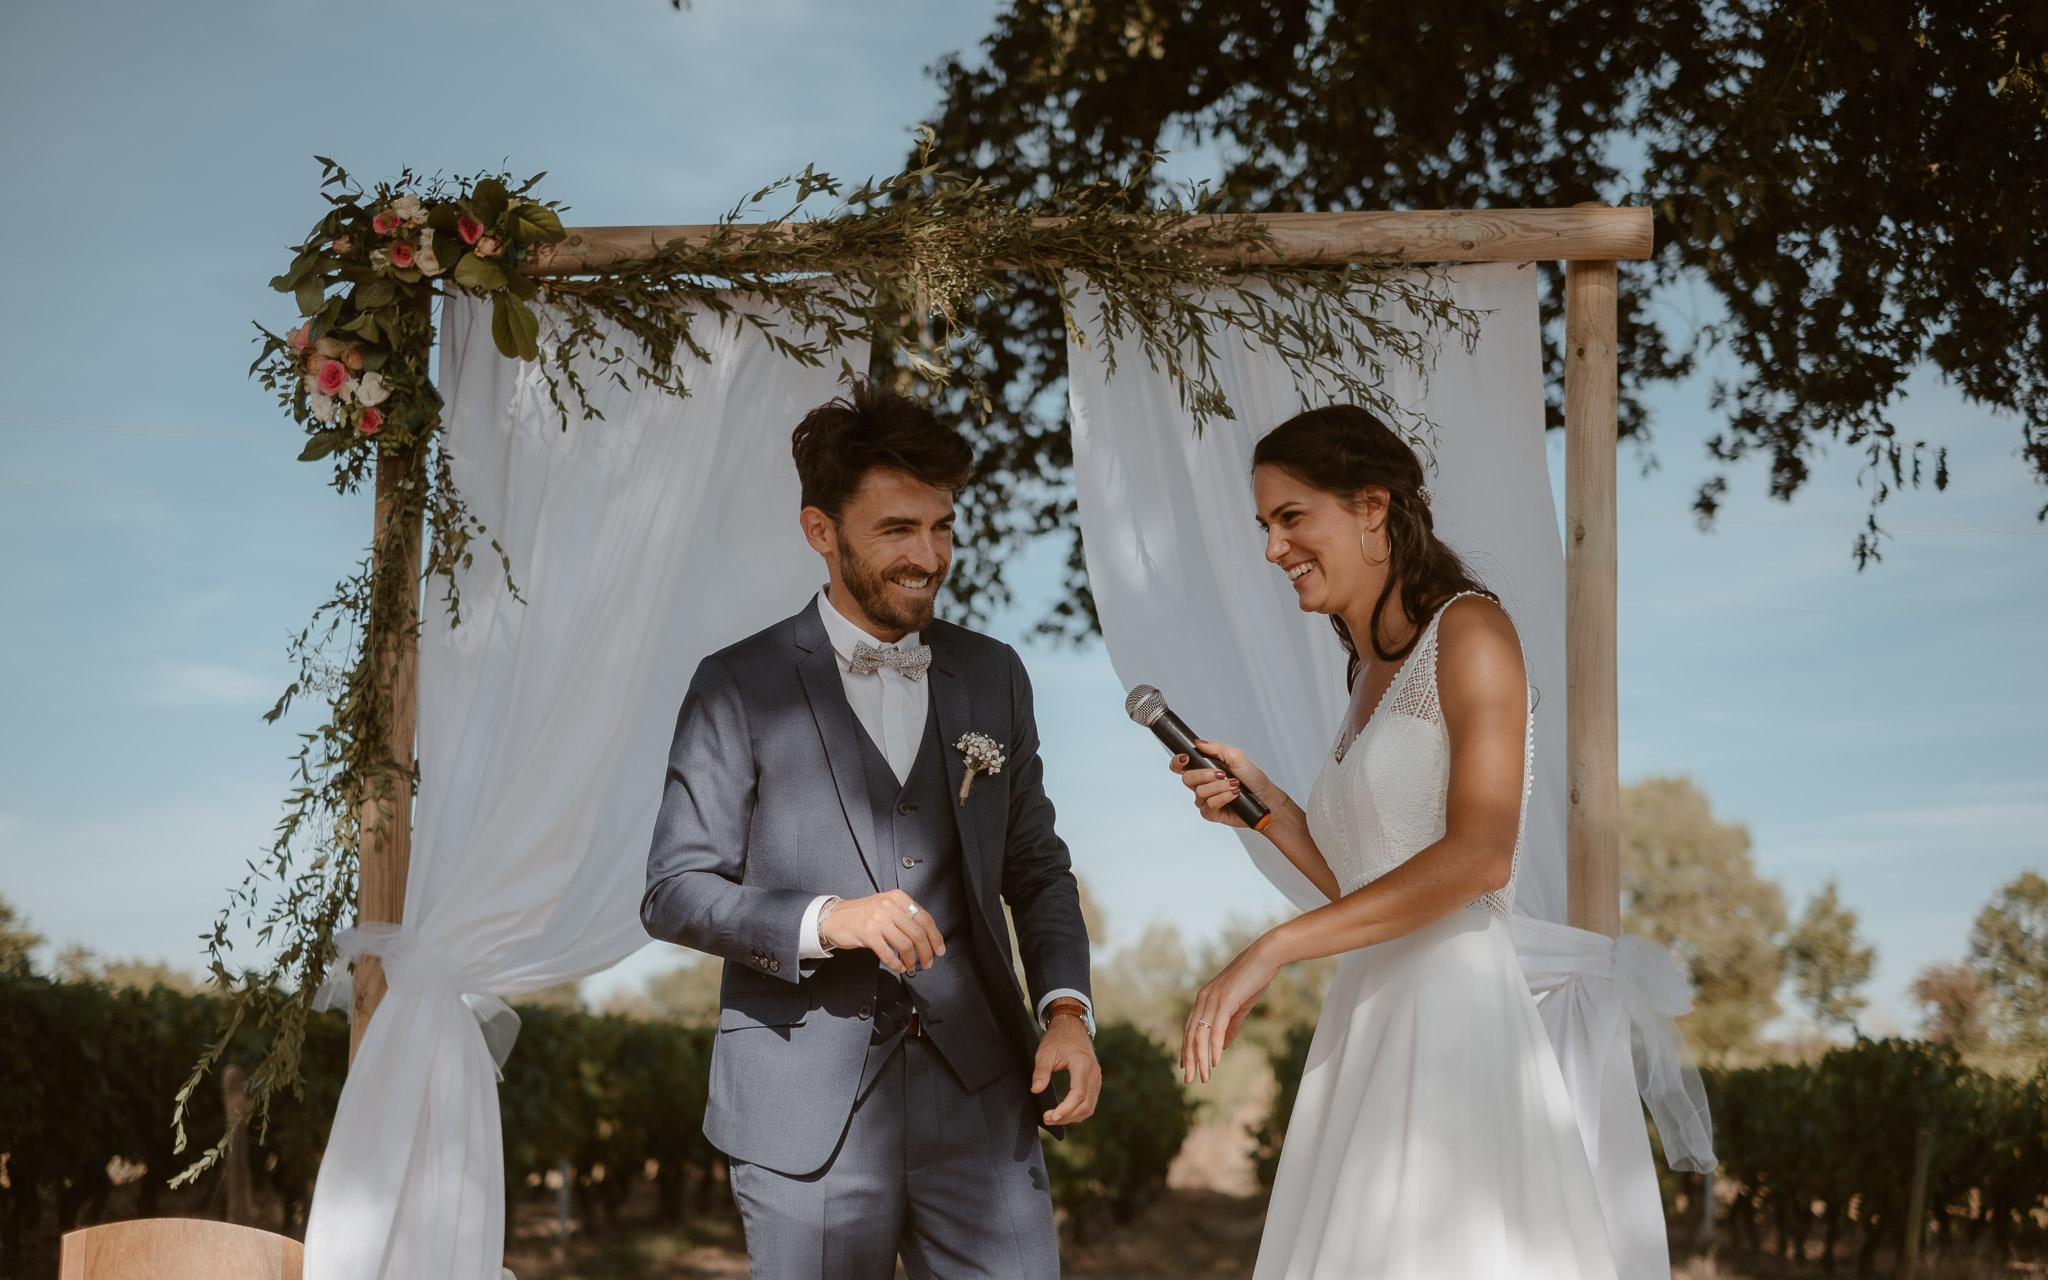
(888, 552)
(1323, 542)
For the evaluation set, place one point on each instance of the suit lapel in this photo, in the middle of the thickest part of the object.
(954, 710)
(837, 730)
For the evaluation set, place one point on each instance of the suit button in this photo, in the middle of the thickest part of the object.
(905, 807)
(866, 1011)
(775, 966)
(910, 862)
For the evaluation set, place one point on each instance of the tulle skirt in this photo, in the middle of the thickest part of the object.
(1432, 1138)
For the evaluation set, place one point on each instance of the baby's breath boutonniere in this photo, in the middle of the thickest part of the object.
(982, 755)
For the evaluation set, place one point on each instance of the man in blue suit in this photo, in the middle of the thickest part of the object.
(853, 797)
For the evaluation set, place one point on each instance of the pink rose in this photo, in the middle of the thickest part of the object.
(354, 359)
(489, 248)
(370, 423)
(333, 376)
(469, 229)
(386, 222)
(401, 254)
(298, 339)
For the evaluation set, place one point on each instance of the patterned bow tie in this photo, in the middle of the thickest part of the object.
(868, 659)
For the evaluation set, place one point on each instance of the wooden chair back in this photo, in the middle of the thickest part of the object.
(178, 1249)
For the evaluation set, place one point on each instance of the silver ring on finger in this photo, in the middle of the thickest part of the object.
(1204, 1022)
(912, 909)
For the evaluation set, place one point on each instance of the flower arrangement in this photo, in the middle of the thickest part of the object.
(982, 756)
(355, 368)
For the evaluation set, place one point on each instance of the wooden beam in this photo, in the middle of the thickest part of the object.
(1591, 426)
(384, 842)
(1455, 235)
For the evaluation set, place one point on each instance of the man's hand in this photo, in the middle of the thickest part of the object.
(889, 924)
(1066, 1047)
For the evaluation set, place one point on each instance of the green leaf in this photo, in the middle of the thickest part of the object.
(537, 222)
(326, 442)
(515, 328)
(520, 285)
(475, 272)
(442, 217)
(377, 293)
(312, 293)
(487, 201)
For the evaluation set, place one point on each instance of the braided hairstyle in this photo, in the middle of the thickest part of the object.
(1341, 449)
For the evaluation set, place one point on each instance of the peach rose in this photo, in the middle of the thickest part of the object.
(298, 339)
(341, 244)
(370, 423)
(469, 229)
(401, 254)
(489, 248)
(353, 359)
(333, 376)
(386, 222)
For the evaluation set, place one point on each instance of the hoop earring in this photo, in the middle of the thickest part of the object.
(1368, 559)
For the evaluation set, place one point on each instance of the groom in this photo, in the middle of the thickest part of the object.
(853, 796)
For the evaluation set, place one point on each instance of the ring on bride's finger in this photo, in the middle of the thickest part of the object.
(1204, 1022)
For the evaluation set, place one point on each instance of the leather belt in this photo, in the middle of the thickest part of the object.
(916, 1027)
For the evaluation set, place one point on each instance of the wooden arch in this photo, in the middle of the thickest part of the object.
(1588, 238)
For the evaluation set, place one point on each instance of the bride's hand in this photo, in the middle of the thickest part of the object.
(1214, 791)
(1221, 1006)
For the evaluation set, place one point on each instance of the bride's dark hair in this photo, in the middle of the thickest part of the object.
(1341, 449)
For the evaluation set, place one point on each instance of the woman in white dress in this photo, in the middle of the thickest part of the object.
(1432, 1137)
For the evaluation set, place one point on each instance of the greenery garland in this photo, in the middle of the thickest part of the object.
(897, 265)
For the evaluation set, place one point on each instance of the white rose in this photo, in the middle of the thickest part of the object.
(423, 257)
(370, 389)
(332, 348)
(348, 390)
(410, 209)
(323, 407)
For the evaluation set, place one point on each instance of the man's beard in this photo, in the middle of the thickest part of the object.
(867, 585)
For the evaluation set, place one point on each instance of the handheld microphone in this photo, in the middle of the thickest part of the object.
(1147, 706)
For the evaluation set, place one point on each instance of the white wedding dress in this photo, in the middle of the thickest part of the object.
(1432, 1138)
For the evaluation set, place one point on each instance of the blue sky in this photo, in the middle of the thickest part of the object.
(1888, 728)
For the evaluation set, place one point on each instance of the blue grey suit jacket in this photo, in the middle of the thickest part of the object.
(766, 807)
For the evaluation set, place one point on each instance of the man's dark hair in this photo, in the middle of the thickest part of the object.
(840, 441)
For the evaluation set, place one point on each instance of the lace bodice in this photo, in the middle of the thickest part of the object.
(1382, 798)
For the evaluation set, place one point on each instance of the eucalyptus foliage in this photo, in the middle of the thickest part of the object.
(907, 264)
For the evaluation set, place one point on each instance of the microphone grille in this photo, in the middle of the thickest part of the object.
(1145, 704)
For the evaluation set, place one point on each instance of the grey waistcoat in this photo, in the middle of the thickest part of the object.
(919, 843)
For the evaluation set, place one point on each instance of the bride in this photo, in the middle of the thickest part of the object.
(1432, 1136)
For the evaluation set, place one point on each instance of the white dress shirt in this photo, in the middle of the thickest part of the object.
(892, 708)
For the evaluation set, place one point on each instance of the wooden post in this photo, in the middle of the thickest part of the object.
(385, 847)
(1592, 393)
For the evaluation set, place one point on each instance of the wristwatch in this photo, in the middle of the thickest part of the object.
(1068, 1004)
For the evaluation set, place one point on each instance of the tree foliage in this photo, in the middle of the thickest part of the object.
(1952, 999)
(1688, 882)
(1827, 962)
(2009, 951)
(1856, 188)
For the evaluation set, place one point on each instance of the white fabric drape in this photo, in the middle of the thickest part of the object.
(639, 543)
(1188, 604)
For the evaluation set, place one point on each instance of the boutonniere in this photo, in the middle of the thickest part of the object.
(982, 756)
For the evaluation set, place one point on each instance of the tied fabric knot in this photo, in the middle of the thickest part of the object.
(393, 944)
(912, 662)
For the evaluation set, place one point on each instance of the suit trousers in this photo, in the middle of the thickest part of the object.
(952, 1181)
